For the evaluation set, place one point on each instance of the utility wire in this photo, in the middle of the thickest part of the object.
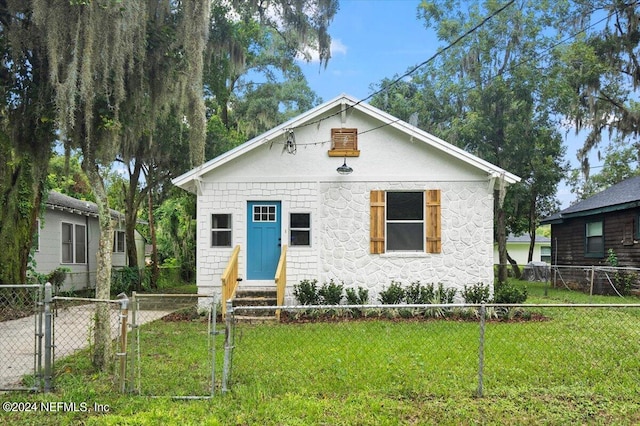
(414, 69)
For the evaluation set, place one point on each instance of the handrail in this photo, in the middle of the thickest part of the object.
(281, 279)
(229, 279)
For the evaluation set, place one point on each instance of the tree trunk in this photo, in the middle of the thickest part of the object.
(514, 266)
(133, 198)
(21, 185)
(103, 352)
(155, 271)
(532, 227)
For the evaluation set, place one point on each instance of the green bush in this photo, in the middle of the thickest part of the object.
(509, 293)
(331, 294)
(124, 280)
(307, 292)
(444, 295)
(393, 295)
(476, 294)
(361, 297)
(418, 294)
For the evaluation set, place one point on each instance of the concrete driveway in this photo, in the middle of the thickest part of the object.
(73, 327)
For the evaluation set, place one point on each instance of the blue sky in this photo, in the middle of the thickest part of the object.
(371, 40)
(377, 39)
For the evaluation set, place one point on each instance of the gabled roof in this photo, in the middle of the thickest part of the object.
(189, 180)
(58, 201)
(621, 196)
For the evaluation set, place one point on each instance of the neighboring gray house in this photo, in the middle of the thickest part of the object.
(356, 194)
(68, 237)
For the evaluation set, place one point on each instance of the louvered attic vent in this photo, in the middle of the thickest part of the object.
(344, 143)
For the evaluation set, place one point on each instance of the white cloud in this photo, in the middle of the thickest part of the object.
(311, 53)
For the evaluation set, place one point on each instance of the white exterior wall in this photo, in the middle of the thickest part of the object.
(340, 235)
(307, 181)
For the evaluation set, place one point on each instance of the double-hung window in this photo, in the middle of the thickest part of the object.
(220, 230)
(300, 229)
(405, 221)
(118, 241)
(594, 239)
(74, 243)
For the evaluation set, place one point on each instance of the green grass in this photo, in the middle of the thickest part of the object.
(578, 366)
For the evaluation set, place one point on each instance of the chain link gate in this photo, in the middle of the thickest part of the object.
(22, 337)
(157, 316)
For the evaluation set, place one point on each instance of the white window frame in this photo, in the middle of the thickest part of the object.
(119, 241)
(292, 229)
(422, 221)
(76, 230)
(222, 230)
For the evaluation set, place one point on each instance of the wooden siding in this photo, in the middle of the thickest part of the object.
(568, 239)
(568, 248)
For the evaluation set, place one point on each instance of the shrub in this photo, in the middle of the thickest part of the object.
(361, 297)
(509, 293)
(476, 294)
(307, 292)
(443, 295)
(393, 295)
(124, 279)
(418, 294)
(331, 294)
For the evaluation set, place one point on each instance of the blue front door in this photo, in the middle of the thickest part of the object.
(263, 239)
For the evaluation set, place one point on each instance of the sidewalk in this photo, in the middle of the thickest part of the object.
(72, 330)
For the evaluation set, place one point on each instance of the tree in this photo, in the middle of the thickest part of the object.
(106, 73)
(487, 94)
(598, 74)
(26, 135)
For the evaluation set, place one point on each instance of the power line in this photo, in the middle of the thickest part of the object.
(414, 69)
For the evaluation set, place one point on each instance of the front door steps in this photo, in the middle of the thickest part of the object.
(255, 297)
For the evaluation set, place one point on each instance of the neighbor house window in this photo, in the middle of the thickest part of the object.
(545, 254)
(300, 229)
(220, 230)
(118, 241)
(405, 221)
(74, 243)
(594, 239)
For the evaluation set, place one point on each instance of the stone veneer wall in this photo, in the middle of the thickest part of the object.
(467, 236)
(340, 234)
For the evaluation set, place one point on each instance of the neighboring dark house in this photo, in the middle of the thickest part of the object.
(588, 232)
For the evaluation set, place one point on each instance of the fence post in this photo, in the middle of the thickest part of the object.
(228, 345)
(481, 351)
(134, 329)
(48, 338)
(124, 316)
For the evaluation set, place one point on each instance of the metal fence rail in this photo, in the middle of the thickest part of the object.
(21, 337)
(437, 349)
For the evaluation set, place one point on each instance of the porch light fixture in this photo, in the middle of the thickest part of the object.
(344, 169)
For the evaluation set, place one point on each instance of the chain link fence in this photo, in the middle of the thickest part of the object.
(21, 337)
(604, 280)
(156, 320)
(439, 350)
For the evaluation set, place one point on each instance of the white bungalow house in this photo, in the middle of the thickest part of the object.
(68, 236)
(357, 195)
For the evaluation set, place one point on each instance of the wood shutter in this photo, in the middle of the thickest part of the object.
(376, 243)
(433, 207)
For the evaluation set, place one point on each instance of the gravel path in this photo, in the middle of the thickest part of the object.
(72, 332)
